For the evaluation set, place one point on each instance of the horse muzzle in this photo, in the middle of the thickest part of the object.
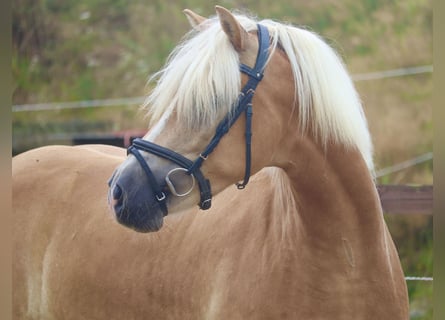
(132, 200)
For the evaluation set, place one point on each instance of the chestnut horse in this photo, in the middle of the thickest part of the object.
(305, 239)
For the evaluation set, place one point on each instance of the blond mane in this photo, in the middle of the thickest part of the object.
(201, 81)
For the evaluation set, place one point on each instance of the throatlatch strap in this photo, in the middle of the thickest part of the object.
(255, 76)
(249, 113)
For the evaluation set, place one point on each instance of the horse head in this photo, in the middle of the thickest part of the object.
(197, 90)
(234, 97)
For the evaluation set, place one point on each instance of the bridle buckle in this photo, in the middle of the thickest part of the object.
(161, 198)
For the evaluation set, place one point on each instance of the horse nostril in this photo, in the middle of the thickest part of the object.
(117, 192)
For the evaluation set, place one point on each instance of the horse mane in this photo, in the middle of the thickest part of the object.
(201, 82)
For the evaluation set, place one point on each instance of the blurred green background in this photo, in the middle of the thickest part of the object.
(76, 50)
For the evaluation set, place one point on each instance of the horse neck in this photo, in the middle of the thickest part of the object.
(334, 192)
(341, 232)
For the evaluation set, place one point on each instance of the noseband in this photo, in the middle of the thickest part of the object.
(244, 104)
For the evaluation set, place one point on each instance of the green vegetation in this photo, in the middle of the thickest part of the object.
(100, 49)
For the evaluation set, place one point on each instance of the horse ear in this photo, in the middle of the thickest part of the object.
(195, 20)
(236, 33)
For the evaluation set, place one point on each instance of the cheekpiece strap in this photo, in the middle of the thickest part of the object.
(255, 76)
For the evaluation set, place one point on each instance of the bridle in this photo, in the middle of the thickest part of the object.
(192, 168)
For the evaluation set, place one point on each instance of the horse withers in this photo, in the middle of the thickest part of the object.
(264, 105)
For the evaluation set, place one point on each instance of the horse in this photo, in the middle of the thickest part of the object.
(302, 236)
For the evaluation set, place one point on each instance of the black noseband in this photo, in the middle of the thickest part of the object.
(244, 104)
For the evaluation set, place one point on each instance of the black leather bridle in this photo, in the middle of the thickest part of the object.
(244, 104)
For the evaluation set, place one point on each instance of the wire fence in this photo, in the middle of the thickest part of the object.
(427, 279)
(139, 100)
(404, 165)
(78, 104)
(401, 166)
(392, 73)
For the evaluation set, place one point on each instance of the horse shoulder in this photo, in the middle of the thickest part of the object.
(57, 191)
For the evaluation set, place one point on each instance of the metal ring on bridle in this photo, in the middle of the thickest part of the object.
(171, 186)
